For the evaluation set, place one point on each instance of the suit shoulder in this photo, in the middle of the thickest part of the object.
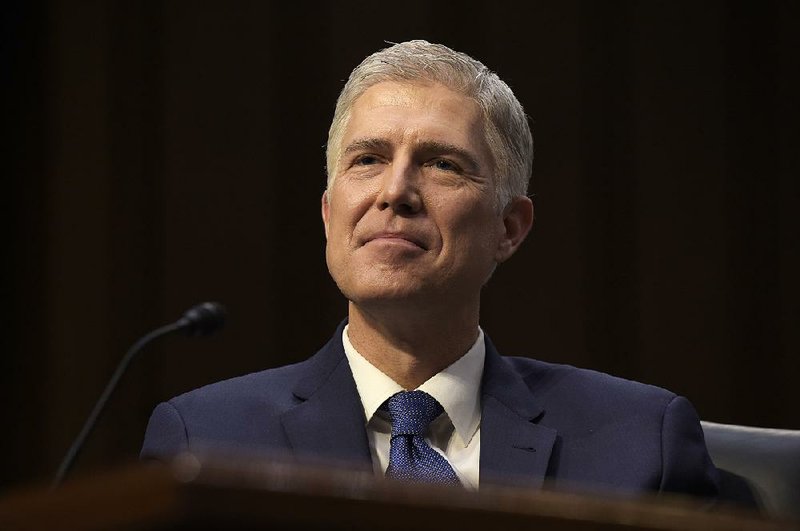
(553, 380)
(616, 433)
(260, 394)
(270, 386)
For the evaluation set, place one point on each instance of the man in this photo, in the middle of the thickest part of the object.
(429, 158)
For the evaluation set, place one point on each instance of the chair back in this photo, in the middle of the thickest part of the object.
(768, 459)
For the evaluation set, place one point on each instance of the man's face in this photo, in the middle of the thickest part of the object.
(411, 214)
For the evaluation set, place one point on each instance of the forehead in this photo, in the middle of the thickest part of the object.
(412, 112)
(431, 95)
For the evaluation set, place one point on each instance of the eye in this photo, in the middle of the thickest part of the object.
(365, 160)
(445, 165)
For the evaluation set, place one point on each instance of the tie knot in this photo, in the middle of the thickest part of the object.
(412, 412)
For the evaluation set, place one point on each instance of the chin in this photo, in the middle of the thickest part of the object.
(371, 295)
(382, 289)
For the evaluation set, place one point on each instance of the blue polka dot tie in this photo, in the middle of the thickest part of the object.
(410, 457)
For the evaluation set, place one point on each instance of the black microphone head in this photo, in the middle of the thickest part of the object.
(203, 319)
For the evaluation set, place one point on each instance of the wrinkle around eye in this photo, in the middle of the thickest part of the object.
(364, 166)
(454, 175)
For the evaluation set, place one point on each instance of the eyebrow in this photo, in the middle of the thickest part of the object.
(427, 146)
(366, 144)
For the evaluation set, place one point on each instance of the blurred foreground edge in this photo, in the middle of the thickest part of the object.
(204, 493)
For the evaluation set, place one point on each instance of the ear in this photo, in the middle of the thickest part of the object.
(517, 223)
(326, 212)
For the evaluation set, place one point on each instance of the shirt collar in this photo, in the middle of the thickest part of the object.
(456, 388)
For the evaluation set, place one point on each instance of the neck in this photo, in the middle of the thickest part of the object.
(411, 346)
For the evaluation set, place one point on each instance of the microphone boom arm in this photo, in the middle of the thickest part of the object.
(202, 319)
(88, 426)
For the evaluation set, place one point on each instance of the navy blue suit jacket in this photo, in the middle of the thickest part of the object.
(574, 427)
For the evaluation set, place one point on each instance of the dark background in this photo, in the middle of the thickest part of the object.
(159, 154)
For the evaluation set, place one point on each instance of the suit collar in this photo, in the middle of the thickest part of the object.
(456, 388)
(328, 425)
(514, 448)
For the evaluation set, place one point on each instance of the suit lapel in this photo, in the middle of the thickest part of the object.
(514, 448)
(329, 423)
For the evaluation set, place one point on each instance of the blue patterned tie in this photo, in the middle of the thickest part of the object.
(410, 457)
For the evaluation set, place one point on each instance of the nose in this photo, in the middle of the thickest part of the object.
(399, 189)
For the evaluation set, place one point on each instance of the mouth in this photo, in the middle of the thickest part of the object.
(396, 239)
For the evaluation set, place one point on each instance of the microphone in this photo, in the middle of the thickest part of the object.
(202, 319)
(199, 320)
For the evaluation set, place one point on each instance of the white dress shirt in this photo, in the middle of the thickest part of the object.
(456, 433)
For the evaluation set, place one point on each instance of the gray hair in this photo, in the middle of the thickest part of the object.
(508, 134)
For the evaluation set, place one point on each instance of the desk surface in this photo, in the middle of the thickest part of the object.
(263, 494)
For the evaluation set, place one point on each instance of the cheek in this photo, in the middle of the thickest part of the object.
(347, 207)
(476, 230)
(467, 217)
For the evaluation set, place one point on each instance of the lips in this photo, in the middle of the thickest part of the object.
(398, 237)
